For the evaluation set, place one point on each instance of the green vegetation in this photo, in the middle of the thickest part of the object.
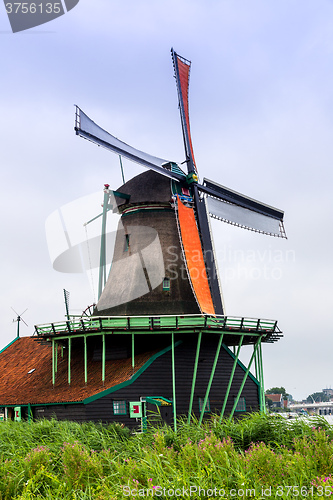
(258, 456)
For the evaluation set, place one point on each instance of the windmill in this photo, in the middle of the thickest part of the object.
(18, 320)
(194, 202)
(159, 334)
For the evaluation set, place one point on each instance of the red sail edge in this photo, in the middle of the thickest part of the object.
(184, 79)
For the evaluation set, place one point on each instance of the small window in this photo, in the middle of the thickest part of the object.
(126, 248)
(201, 402)
(241, 405)
(166, 284)
(119, 407)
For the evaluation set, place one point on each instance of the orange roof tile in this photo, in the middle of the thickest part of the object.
(276, 398)
(24, 354)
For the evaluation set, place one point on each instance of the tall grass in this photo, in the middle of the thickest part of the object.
(257, 456)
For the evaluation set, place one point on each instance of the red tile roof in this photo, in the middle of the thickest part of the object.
(276, 398)
(19, 387)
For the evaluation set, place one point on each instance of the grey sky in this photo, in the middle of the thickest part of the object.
(261, 110)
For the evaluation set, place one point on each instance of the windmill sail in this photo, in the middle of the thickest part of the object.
(88, 129)
(239, 210)
(182, 73)
(194, 258)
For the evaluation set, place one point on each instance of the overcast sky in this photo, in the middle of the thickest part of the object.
(261, 111)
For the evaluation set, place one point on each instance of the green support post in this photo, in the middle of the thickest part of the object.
(263, 403)
(56, 357)
(258, 377)
(231, 378)
(69, 359)
(29, 413)
(103, 358)
(211, 378)
(53, 362)
(85, 360)
(194, 378)
(244, 379)
(257, 366)
(144, 417)
(133, 353)
(174, 384)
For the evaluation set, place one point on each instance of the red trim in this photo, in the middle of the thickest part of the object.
(184, 77)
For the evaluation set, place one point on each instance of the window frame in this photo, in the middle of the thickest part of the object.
(201, 402)
(241, 405)
(166, 284)
(119, 407)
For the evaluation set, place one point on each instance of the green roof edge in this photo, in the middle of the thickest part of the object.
(10, 343)
(134, 377)
(252, 377)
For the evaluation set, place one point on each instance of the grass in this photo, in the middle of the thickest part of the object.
(258, 456)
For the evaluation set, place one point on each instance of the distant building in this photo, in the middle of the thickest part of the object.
(322, 408)
(277, 400)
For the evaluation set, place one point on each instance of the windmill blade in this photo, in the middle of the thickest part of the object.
(240, 210)
(21, 319)
(88, 129)
(182, 74)
(17, 314)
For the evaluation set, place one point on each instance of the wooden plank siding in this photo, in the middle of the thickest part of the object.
(156, 380)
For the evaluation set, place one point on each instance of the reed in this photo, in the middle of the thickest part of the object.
(256, 456)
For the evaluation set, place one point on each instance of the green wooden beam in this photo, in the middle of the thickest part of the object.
(257, 373)
(130, 381)
(258, 377)
(85, 360)
(244, 379)
(194, 378)
(133, 353)
(56, 358)
(211, 378)
(231, 378)
(174, 383)
(30, 416)
(53, 362)
(262, 387)
(186, 323)
(118, 193)
(103, 358)
(144, 417)
(10, 343)
(69, 358)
